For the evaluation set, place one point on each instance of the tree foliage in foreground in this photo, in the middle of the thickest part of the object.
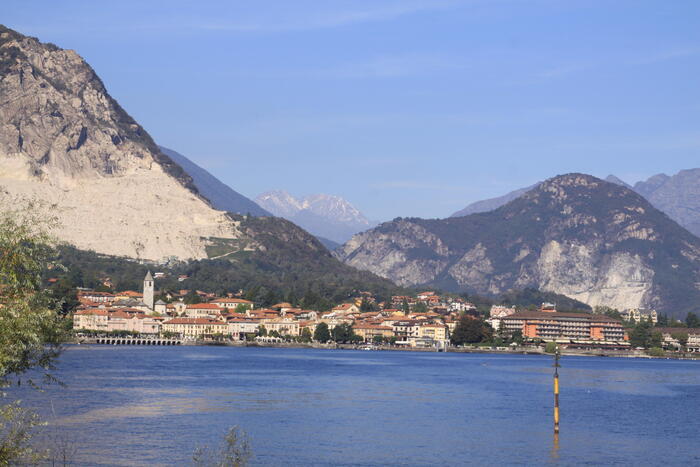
(30, 327)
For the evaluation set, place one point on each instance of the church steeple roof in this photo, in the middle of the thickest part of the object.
(148, 277)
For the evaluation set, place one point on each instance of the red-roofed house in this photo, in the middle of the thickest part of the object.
(203, 310)
(346, 308)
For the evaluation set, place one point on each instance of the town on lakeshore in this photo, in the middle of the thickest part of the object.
(424, 321)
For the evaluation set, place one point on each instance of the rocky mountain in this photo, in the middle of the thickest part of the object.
(617, 181)
(677, 195)
(66, 141)
(327, 216)
(575, 235)
(68, 146)
(647, 187)
(221, 196)
(492, 203)
(495, 203)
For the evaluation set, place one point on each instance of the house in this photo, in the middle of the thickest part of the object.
(232, 303)
(283, 326)
(497, 313)
(500, 311)
(672, 336)
(95, 297)
(345, 308)
(195, 327)
(369, 331)
(291, 313)
(120, 320)
(307, 324)
(638, 315)
(239, 327)
(262, 314)
(203, 310)
(131, 322)
(180, 307)
(426, 296)
(334, 321)
(91, 319)
(308, 315)
(131, 303)
(160, 307)
(405, 329)
(436, 332)
(128, 294)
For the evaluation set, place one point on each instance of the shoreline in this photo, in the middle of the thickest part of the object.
(385, 348)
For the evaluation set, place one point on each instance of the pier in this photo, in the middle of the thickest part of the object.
(134, 341)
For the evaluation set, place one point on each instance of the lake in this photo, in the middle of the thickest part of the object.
(153, 405)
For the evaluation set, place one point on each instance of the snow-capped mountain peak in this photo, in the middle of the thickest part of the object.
(323, 215)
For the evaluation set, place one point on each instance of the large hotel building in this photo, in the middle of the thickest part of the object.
(574, 329)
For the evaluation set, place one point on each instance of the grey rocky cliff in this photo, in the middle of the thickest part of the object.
(677, 195)
(65, 141)
(574, 235)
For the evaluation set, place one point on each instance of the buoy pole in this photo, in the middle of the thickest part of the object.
(556, 391)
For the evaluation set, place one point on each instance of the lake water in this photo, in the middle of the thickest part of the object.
(153, 405)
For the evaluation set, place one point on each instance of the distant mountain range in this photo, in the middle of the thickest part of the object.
(326, 216)
(221, 196)
(492, 203)
(677, 195)
(576, 235)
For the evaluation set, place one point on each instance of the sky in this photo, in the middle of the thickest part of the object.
(403, 107)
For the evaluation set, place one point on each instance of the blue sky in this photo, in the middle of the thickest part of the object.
(405, 108)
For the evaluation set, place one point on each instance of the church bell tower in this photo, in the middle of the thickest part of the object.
(148, 290)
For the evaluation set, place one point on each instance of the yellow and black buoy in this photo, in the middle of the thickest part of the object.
(556, 391)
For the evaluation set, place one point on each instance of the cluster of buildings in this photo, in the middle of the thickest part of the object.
(423, 321)
(677, 338)
(426, 320)
(637, 315)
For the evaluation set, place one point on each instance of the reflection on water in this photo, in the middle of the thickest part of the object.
(554, 454)
(151, 406)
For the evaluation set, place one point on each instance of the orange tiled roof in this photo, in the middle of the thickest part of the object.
(203, 306)
(194, 321)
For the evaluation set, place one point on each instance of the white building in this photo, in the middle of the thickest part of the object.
(639, 314)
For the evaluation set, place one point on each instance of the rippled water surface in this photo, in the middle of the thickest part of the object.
(153, 405)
